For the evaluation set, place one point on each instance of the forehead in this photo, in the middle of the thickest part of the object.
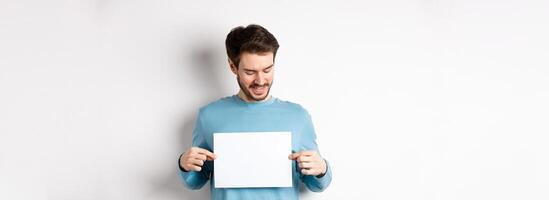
(254, 61)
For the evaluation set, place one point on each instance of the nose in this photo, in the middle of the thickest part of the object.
(260, 79)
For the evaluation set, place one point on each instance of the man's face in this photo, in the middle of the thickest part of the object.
(255, 75)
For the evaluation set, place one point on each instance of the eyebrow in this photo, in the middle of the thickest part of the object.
(270, 66)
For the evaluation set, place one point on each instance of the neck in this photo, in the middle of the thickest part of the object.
(246, 99)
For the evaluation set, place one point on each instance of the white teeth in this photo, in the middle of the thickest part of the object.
(259, 89)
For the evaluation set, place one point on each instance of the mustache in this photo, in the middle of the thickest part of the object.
(257, 85)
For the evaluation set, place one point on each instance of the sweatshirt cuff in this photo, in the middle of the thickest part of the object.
(326, 177)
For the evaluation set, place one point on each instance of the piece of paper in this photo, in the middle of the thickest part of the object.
(252, 159)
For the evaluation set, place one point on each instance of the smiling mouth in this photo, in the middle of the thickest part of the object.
(259, 90)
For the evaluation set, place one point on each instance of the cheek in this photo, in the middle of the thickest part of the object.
(246, 80)
(269, 77)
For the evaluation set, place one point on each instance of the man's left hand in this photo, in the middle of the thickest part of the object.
(309, 162)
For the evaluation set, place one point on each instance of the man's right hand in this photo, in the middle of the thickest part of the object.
(193, 159)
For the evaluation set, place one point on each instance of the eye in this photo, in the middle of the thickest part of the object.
(249, 73)
(267, 70)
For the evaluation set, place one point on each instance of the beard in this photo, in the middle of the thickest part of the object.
(248, 93)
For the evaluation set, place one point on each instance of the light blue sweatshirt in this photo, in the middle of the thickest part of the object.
(232, 114)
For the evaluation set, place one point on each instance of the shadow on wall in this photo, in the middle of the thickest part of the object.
(201, 56)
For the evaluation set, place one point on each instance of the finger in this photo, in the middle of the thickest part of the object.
(210, 155)
(196, 168)
(304, 159)
(293, 156)
(308, 153)
(308, 171)
(197, 162)
(199, 156)
(200, 150)
(192, 167)
(306, 165)
(302, 153)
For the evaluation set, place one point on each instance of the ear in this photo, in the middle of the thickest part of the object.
(233, 67)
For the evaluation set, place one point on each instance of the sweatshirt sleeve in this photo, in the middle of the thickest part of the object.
(314, 183)
(192, 179)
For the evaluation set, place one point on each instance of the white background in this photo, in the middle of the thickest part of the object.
(430, 99)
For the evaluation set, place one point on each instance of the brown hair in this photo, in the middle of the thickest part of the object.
(251, 39)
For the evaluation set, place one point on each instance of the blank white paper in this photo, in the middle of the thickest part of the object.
(252, 159)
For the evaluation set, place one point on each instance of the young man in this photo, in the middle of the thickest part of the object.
(251, 51)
